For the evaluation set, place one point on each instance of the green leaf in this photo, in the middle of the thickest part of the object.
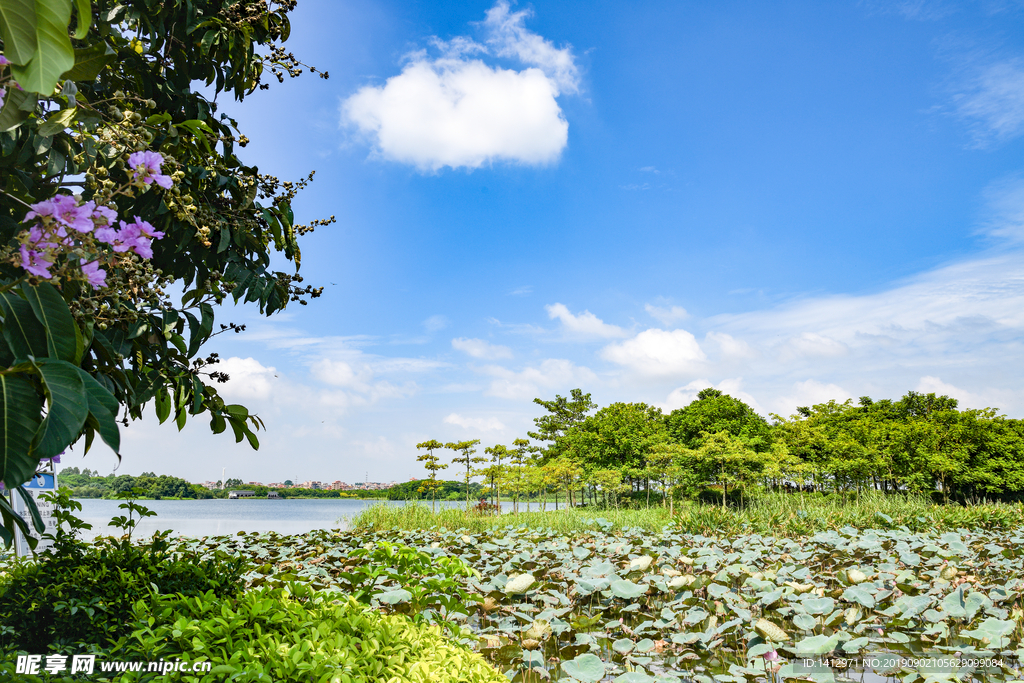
(84, 9)
(20, 406)
(67, 407)
(51, 310)
(33, 511)
(58, 121)
(587, 668)
(627, 589)
(53, 54)
(816, 645)
(394, 597)
(103, 411)
(24, 333)
(12, 520)
(162, 403)
(14, 111)
(18, 29)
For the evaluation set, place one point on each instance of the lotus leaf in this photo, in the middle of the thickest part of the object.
(856, 645)
(640, 563)
(394, 597)
(770, 630)
(816, 645)
(587, 668)
(645, 645)
(636, 677)
(519, 584)
(623, 646)
(805, 622)
(860, 596)
(627, 590)
(819, 605)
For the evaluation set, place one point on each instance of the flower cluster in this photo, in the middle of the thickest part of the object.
(64, 224)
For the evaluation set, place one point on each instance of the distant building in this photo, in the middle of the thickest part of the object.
(277, 485)
(241, 494)
(274, 494)
(255, 483)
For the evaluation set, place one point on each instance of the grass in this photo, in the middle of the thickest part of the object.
(770, 514)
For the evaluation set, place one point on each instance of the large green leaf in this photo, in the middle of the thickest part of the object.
(102, 411)
(84, 9)
(10, 521)
(89, 62)
(67, 407)
(53, 54)
(33, 510)
(20, 406)
(18, 29)
(24, 333)
(16, 109)
(587, 668)
(50, 309)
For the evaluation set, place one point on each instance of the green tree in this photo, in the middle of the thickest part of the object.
(433, 465)
(105, 106)
(712, 412)
(466, 450)
(495, 471)
(565, 413)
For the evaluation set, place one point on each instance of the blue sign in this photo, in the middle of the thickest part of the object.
(40, 482)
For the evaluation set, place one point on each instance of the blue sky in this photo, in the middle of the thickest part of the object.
(791, 201)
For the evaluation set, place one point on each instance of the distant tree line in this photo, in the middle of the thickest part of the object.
(718, 446)
(89, 484)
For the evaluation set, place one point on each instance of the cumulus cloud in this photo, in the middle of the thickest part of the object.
(478, 348)
(687, 394)
(656, 352)
(455, 110)
(586, 324)
(808, 393)
(477, 424)
(729, 347)
(667, 315)
(250, 379)
(552, 374)
(993, 101)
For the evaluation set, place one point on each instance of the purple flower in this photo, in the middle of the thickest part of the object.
(137, 236)
(96, 276)
(4, 61)
(147, 168)
(34, 263)
(103, 216)
(64, 209)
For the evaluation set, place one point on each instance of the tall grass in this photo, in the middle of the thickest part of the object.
(769, 514)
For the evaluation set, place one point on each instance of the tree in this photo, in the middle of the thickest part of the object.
(712, 412)
(495, 471)
(432, 465)
(466, 458)
(104, 105)
(564, 414)
(519, 458)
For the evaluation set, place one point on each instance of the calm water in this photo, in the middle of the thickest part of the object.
(221, 516)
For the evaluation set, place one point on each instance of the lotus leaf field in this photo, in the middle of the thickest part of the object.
(637, 606)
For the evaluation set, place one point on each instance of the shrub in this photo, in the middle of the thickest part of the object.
(79, 594)
(293, 633)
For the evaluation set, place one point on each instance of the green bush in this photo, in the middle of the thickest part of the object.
(294, 633)
(79, 594)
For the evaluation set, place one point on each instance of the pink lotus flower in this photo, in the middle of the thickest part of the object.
(771, 656)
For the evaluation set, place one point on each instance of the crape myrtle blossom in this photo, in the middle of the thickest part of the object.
(64, 224)
(146, 165)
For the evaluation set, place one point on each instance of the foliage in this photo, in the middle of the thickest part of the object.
(147, 485)
(564, 413)
(713, 412)
(433, 465)
(466, 449)
(294, 634)
(101, 101)
(78, 593)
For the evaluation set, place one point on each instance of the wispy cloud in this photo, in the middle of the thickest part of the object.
(476, 424)
(584, 325)
(522, 291)
(455, 110)
(991, 100)
(667, 315)
(553, 374)
(478, 348)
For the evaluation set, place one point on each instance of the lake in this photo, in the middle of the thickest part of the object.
(222, 516)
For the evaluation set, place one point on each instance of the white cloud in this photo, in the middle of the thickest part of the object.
(687, 394)
(1005, 209)
(667, 315)
(479, 424)
(435, 323)
(729, 347)
(586, 324)
(812, 344)
(478, 348)
(551, 375)
(993, 101)
(808, 393)
(657, 352)
(250, 379)
(458, 111)
(510, 38)
(522, 291)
